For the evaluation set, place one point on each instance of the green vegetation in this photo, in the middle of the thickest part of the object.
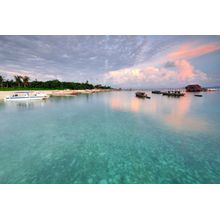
(23, 83)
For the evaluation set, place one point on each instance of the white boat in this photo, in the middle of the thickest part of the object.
(26, 96)
(212, 90)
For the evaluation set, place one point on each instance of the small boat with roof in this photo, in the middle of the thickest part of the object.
(142, 95)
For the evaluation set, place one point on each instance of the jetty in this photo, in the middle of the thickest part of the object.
(173, 93)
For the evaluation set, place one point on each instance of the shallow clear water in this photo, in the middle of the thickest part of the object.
(111, 138)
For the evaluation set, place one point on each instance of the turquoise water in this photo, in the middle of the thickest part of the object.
(111, 138)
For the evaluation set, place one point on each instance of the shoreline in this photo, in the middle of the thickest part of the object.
(57, 93)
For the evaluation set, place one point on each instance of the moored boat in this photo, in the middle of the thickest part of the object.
(26, 96)
(142, 95)
(198, 95)
(156, 92)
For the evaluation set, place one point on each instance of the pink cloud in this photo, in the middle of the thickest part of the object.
(179, 69)
(185, 70)
(182, 72)
(187, 51)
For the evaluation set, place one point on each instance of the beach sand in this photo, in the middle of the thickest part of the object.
(66, 92)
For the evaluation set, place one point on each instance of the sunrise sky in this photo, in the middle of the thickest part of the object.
(119, 61)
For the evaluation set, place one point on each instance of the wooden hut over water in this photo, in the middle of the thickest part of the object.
(194, 88)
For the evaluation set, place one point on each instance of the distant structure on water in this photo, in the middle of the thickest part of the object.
(194, 88)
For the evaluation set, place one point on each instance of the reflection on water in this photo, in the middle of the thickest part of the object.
(179, 117)
(111, 138)
(27, 104)
(1, 105)
(125, 102)
(172, 111)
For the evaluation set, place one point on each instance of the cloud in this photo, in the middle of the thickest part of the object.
(188, 51)
(184, 69)
(142, 60)
(176, 73)
(169, 64)
(172, 68)
(33, 76)
(186, 72)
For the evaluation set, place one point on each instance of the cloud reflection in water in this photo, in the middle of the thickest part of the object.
(175, 112)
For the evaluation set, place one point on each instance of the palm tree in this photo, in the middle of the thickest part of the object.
(8, 83)
(18, 80)
(1, 81)
(25, 80)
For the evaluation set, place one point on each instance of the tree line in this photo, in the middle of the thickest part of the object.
(23, 82)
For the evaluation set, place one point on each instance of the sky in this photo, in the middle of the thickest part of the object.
(119, 61)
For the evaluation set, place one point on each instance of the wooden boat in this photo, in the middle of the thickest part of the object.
(173, 93)
(156, 92)
(197, 95)
(142, 95)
